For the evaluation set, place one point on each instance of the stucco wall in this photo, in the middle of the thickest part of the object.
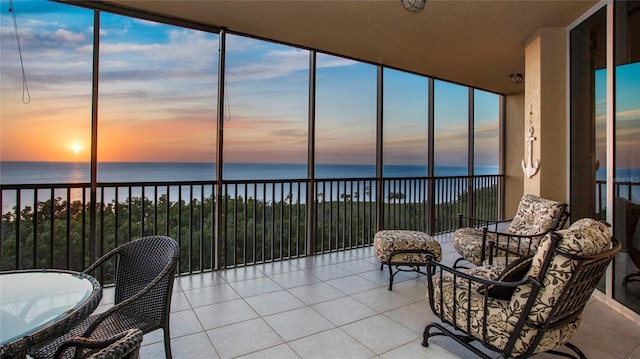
(545, 111)
(514, 143)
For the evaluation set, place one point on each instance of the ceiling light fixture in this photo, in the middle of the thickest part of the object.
(414, 6)
(517, 78)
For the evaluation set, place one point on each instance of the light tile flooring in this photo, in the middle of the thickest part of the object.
(333, 306)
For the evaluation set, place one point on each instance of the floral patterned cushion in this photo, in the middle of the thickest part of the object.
(535, 215)
(468, 243)
(585, 237)
(387, 241)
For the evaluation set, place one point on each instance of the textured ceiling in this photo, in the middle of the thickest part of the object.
(477, 43)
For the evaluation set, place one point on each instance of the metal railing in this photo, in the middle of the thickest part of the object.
(622, 189)
(50, 225)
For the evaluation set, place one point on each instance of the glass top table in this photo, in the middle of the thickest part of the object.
(42, 301)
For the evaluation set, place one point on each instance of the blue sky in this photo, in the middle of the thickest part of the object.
(158, 88)
(627, 109)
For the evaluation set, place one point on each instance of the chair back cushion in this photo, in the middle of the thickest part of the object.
(586, 237)
(536, 215)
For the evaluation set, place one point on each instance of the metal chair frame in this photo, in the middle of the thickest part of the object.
(570, 302)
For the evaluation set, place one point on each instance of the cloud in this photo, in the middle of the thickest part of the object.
(68, 37)
(276, 63)
(263, 60)
(629, 115)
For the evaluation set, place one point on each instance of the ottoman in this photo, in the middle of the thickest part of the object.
(403, 248)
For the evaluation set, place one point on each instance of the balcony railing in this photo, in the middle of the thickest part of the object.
(622, 189)
(251, 222)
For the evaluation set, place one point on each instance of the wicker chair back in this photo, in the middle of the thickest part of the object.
(140, 262)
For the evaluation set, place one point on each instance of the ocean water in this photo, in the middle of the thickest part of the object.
(114, 172)
(20, 173)
(26, 173)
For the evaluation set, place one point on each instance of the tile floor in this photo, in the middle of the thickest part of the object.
(333, 306)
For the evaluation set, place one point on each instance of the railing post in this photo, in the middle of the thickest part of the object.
(379, 145)
(470, 154)
(311, 184)
(220, 137)
(431, 216)
(93, 216)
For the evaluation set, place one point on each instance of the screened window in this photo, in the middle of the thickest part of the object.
(345, 118)
(405, 124)
(157, 104)
(266, 111)
(486, 133)
(451, 111)
(46, 115)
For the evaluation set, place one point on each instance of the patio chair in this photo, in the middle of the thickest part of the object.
(627, 228)
(517, 237)
(144, 276)
(125, 345)
(519, 316)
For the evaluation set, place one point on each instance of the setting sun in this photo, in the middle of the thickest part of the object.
(76, 148)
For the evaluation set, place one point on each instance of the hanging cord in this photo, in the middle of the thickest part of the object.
(226, 102)
(26, 96)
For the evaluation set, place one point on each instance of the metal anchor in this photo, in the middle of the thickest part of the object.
(530, 169)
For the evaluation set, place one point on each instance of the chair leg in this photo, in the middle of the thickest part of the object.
(463, 340)
(391, 274)
(167, 343)
(575, 349)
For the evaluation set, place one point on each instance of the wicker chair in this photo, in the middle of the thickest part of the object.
(144, 276)
(125, 345)
(518, 236)
(519, 316)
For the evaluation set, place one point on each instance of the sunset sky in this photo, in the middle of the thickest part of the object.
(158, 89)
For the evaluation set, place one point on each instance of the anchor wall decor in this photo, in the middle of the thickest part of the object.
(529, 168)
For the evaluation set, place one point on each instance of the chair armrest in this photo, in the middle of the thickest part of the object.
(101, 260)
(86, 343)
(433, 265)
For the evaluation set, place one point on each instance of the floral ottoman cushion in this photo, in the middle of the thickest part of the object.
(387, 241)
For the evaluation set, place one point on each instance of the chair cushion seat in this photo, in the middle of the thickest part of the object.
(470, 306)
(385, 242)
(468, 243)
